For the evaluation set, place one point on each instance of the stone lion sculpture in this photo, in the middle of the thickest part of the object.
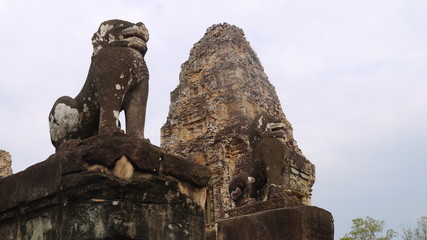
(266, 176)
(117, 80)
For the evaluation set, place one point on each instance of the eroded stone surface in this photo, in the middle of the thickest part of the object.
(5, 164)
(117, 80)
(296, 223)
(283, 202)
(222, 88)
(110, 186)
(150, 208)
(274, 170)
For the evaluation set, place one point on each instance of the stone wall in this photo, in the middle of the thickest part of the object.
(222, 88)
(5, 164)
(105, 187)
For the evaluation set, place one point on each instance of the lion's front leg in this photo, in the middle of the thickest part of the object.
(109, 120)
(135, 110)
(241, 189)
(110, 102)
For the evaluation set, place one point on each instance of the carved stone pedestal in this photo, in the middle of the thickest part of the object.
(106, 187)
(293, 223)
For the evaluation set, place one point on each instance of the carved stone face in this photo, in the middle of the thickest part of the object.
(266, 126)
(118, 33)
(274, 129)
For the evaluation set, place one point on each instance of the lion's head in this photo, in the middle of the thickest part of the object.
(266, 126)
(119, 33)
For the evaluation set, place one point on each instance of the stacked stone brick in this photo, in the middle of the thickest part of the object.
(222, 88)
(5, 164)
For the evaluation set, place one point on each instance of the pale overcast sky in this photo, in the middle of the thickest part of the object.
(351, 76)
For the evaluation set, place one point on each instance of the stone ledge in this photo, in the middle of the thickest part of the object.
(107, 149)
(296, 223)
(97, 154)
(283, 202)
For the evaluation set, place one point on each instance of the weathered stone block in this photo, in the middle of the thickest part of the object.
(5, 164)
(284, 202)
(105, 187)
(152, 208)
(297, 223)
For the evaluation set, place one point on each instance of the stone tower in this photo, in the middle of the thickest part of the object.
(222, 88)
(5, 164)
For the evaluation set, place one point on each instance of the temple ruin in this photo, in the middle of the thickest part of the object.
(228, 166)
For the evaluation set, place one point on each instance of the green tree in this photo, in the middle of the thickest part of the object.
(368, 229)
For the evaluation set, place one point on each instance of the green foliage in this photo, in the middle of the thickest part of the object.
(368, 229)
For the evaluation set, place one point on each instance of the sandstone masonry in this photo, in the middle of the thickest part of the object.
(222, 88)
(105, 187)
(5, 164)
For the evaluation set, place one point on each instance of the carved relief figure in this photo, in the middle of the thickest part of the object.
(272, 166)
(117, 80)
